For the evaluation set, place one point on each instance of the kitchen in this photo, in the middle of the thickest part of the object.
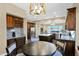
(52, 26)
(15, 32)
(64, 32)
(62, 27)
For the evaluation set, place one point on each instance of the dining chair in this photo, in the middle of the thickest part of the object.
(61, 46)
(11, 50)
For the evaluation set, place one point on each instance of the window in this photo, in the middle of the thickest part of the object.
(55, 28)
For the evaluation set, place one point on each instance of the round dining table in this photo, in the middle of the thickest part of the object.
(39, 48)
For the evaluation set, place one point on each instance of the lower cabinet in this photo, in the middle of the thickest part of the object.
(20, 41)
(19, 44)
(47, 38)
(10, 41)
(70, 48)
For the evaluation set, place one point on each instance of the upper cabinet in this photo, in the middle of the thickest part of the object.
(13, 21)
(18, 22)
(71, 19)
(10, 21)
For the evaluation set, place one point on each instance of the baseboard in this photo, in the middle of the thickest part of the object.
(3, 54)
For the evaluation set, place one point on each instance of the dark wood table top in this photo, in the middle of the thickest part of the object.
(39, 48)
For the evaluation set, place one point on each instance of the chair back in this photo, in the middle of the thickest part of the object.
(62, 45)
(11, 50)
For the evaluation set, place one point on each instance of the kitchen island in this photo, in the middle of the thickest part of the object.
(46, 37)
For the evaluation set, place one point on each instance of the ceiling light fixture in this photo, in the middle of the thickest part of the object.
(37, 8)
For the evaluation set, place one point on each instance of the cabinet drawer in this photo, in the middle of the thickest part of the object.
(20, 42)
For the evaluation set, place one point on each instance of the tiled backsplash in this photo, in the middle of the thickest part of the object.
(18, 32)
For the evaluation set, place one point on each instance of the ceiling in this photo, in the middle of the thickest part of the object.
(52, 10)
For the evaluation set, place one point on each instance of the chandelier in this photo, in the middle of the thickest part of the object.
(37, 8)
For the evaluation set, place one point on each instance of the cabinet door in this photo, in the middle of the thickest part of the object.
(10, 22)
(71, 19)
(70, 48)
(19, 44)
(18, 23)
(20, 41)
(10, 41)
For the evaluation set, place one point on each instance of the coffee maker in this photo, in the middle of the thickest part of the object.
(13, 33)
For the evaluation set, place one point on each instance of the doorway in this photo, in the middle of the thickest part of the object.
(31, 32)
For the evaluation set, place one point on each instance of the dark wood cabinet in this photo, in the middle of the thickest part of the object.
(18, 22)
(10, 21)
(47, 38)
(10, 41)
(71, 19)
(70, 48)
(20, 41)
(19, 44)
(70, 25)
(13, 21)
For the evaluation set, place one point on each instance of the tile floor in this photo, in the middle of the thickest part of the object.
(33, 39)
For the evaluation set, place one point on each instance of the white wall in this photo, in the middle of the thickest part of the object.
(77, 24)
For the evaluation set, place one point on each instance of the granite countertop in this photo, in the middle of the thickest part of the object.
(64, 37)
(44, 34)
(15, 37)
(67, 38)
